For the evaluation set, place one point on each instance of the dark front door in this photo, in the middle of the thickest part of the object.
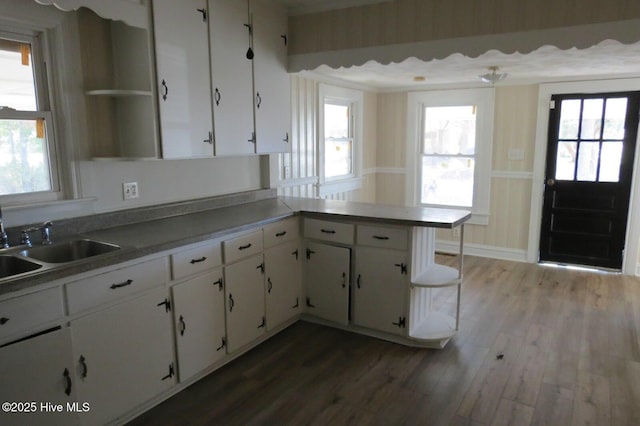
(590, 151)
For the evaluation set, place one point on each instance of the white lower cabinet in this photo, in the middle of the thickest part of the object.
(244, 292)
(199, 323)
(123, 355)
(283, 277)
(327, 270)
(38, 374)
(381, 285)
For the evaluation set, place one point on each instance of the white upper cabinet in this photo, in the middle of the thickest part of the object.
(272, 89)
(184, 82)
(231, 68)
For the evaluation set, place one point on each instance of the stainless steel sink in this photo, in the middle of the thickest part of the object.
(10, 266)
(68, 251)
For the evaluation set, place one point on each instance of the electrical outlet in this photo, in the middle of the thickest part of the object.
(130, 190)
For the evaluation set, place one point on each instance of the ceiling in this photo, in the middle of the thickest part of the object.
(548, 63)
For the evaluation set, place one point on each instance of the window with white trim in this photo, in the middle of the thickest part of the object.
(339, 139)
(27, 161)
(452, 133)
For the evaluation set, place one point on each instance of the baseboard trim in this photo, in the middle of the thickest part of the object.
(503, 253)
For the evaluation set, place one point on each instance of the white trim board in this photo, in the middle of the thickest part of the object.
(493, 252)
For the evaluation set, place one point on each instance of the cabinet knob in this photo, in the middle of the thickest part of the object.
(258, 100)
(217, 97)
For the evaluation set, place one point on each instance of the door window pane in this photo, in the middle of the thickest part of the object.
(591, 119)
(610, 159)
(588, 161)
(569, 119)
(447, 181)
(566, 160)
(450, 130)
(24, 164)
(614, 117)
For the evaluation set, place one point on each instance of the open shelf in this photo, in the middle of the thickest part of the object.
(118, 93)
(437, 276)
(433, 327)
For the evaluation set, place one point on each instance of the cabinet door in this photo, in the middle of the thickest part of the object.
(272, 89)
(327, 281)
(245, 302)
(282, 265)
(39, 370)
(199, 322)
(123, 355)
(381, 286)
(184, 78)
(231, 77)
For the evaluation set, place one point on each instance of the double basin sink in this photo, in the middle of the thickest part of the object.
(22, 259)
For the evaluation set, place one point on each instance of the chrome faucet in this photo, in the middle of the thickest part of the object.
(4, 238)
(45, 231)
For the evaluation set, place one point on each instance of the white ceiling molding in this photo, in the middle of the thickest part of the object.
(131, 12)
(512, 44)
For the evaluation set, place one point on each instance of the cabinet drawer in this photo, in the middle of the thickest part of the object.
(242, 247)
(280, 232)
(378, 236)
(86, 293)
(23, 313)
(195, 260)
(328, 231)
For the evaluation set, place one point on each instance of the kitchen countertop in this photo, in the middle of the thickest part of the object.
(145, 238)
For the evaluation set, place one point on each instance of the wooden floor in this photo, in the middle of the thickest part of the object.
(538, 346)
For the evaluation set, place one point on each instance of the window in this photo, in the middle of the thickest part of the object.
(27, 163)
(340, 147)
(449, 154)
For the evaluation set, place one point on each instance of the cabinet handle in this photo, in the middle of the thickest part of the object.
(217, 96)
(171, 373)
(344, 280)
(249, 27)
(263, 323)
(269, 285)
(209, 140)
(286, 137)
(250, 54)
(202, 259)
(284, 37)
(4, 320)
(244, 247)
(309, 303)
(401, 322)
(258, 100)
(222, 344)
(219, 284)
(122, 284)
(167, 305)
(295, 253)
(297, 303)
(403, 268)
(281, 234)
(358, 280)
(67, 381)
(183, 325)
(165, 90)
(253, 138)
(83, 364)
(379, 237)
(261, 267)
(231, 303)
(204, 14)
(328, 231)
(309, 253)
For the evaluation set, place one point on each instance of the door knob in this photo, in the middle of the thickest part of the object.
(551, 182)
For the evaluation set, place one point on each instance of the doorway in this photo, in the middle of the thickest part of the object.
(588, 176)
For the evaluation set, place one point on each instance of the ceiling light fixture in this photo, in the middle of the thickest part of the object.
(492, 77)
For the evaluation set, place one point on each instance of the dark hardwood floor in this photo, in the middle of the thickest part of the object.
(537, 346)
